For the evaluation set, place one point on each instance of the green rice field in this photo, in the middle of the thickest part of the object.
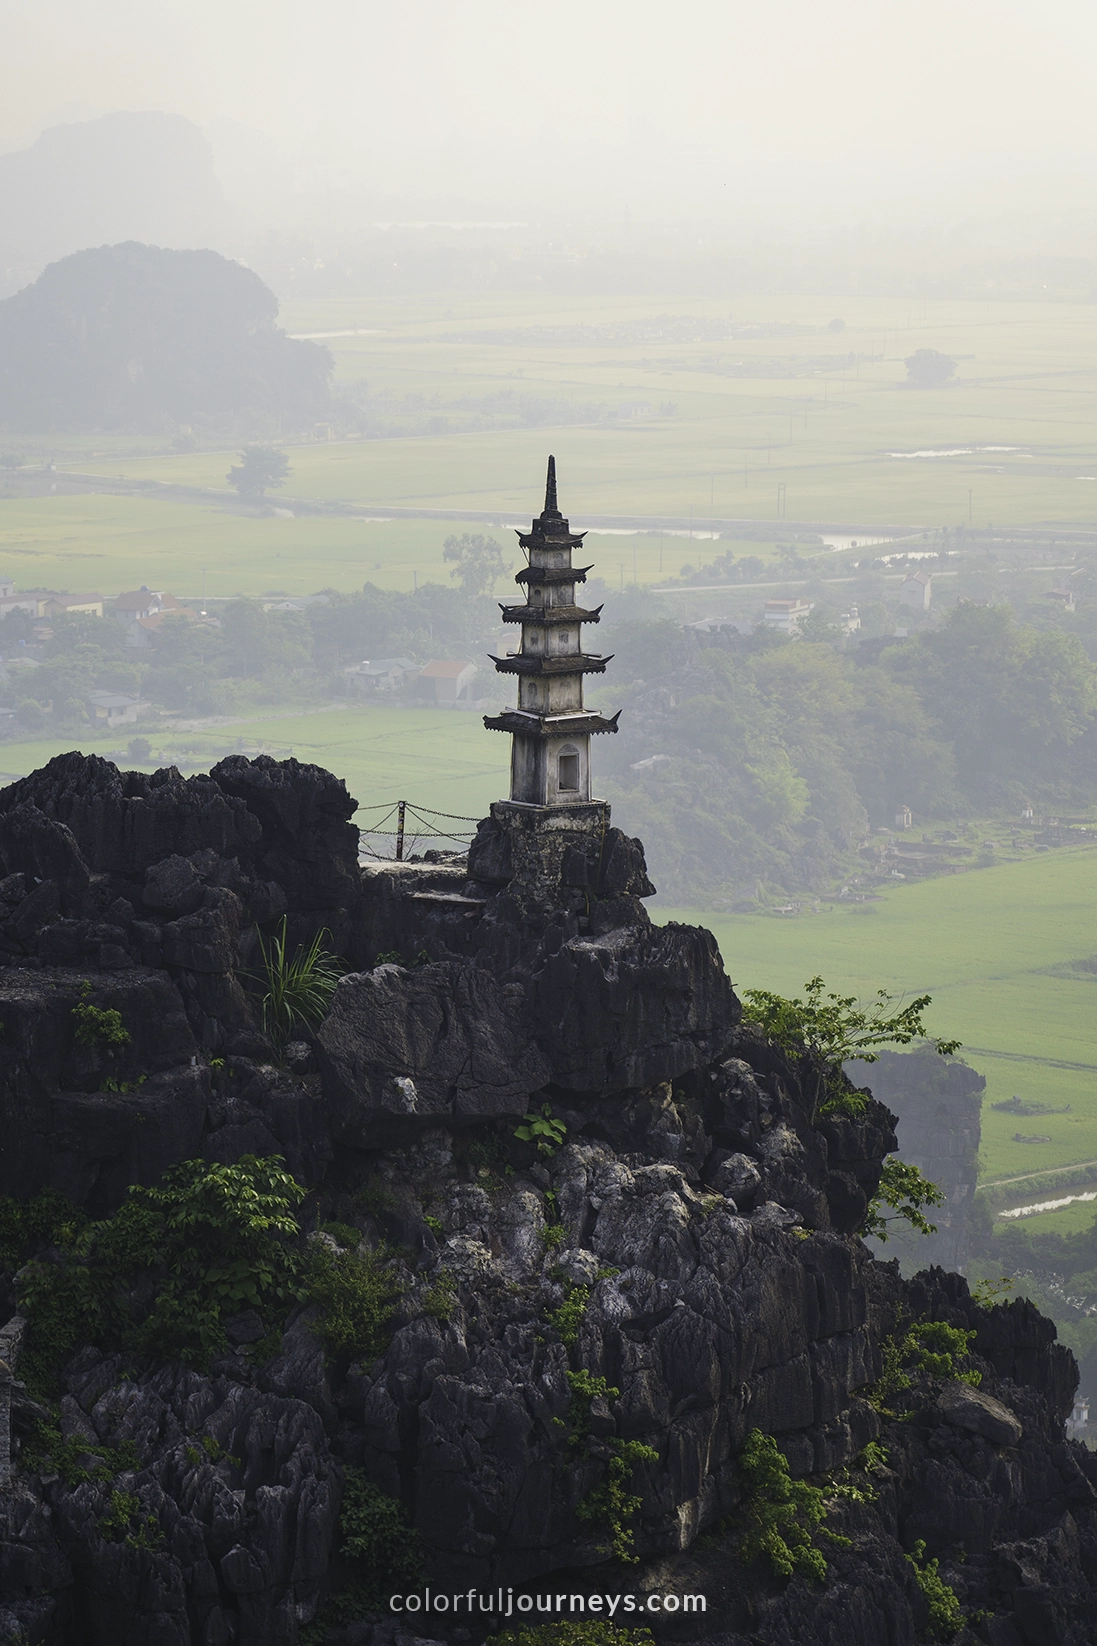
(664, 427)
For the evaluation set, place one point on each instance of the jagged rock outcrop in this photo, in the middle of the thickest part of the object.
(678, 1266)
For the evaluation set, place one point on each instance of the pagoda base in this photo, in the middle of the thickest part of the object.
(537, 850)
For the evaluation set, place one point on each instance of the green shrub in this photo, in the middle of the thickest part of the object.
(46, 1453)
(379, 1554)
(945, 1615)
(569, 1316)
(377, 1540)
(345, 1233)
(928, 1347)
(906, 1191)
(440, 1299)
(217, 1238)
(553, 1236)
(98, 1027)
(543, 1129)
(357, 1292)
(781, 1517)
(829, 1029)
(47, 1220)
(611, 1504)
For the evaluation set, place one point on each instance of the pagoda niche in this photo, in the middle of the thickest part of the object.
(550, 728)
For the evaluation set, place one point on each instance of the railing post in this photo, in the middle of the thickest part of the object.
(400, 831)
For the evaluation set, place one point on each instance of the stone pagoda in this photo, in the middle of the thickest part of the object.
(550, 728)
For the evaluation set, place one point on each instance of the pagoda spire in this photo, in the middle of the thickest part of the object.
(550, 728)
(550, 489)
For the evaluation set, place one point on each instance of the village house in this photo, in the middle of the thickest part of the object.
(386, 674)
(58, 605)
(143, 611)
(113, 708)
(916, 591)
(786, 615)
(447, 682)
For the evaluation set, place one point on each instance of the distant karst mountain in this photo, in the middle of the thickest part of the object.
(138, 339)
(136, 176)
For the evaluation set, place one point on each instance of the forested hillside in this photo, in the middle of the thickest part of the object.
(138, 339)
(754, 762)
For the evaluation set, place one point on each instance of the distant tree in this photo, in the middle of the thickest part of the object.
(139, 748)
(479, 562)
(836, 325)
(928, 369)
(260, 470)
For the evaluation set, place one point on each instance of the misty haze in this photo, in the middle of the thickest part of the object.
(548, 825)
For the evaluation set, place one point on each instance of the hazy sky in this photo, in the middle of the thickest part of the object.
(864, 104)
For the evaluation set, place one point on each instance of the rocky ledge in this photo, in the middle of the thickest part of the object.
(585, 1339)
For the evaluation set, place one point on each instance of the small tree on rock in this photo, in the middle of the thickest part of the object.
(260, 470)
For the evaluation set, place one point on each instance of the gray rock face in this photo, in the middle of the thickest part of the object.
(980, 1413)
(403, 1049)
(689, 1245)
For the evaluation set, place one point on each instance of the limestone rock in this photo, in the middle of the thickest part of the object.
(400, 1048)
(971, 1409)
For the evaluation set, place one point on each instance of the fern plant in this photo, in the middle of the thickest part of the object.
(299, 987)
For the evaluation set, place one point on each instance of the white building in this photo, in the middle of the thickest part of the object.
(786, 615)
(916, 591)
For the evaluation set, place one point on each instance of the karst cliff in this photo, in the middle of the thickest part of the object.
(677, 1267)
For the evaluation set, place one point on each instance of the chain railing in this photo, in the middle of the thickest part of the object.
(412, 825)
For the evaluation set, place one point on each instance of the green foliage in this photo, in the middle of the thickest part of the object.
(374, 1535)
(379, 1554)
(217, 1239)
(928, 1348)
(611, 1504)
(573, 1632)
(435, 1225)
(543, 1129)
(125, 1522)
(440, 1299)
(47, 1453)
(585, 1388)
(553, 1235)
(478, 562)
(98, 1027)
(47, 1220)
(259, 470)
(829, 1029)
(780, 1516)
(345, 1233)
(906, 1191)
(946, 1617)
(989, 1293)
(569, 1316)
(298, 987)
(124, 1088)
(357, 1292)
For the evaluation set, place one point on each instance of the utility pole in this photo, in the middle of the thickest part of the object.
(634, 564)
(782, 500)
(969, 505)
